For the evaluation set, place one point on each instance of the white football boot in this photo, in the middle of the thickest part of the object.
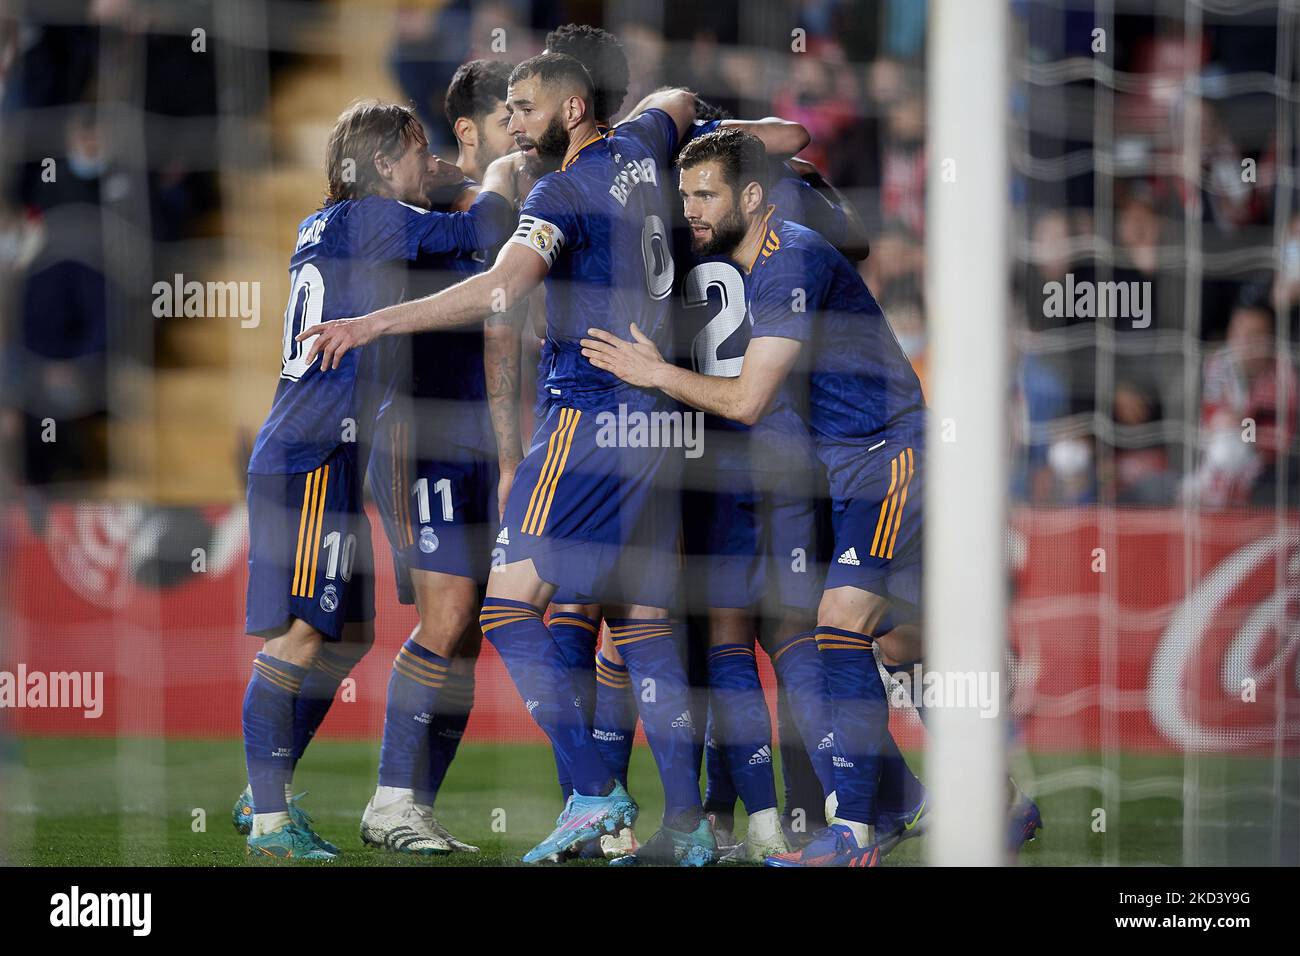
(457, 846)
(403, 826)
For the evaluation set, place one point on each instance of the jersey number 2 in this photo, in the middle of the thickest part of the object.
(730, 284)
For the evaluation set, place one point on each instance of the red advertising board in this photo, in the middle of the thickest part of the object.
(1132, 629)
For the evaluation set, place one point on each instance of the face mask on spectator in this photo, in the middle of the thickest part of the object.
(86, 167)
(1226, 451)
(1069, 458)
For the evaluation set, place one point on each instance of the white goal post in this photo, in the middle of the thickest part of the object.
(966, 249)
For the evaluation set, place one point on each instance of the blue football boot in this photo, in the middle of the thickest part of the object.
(669, 847)
(834, 846)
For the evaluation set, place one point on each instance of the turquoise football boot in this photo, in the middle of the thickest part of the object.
(242, 814)
(242, 817)
(586, 818)
(290, 842)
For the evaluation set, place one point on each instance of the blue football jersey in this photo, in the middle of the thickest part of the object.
(352, 258)
(712, 327)
(601, 223)
(447, 375)
(855, 379)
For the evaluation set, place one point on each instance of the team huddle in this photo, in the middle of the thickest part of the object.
(678, 263)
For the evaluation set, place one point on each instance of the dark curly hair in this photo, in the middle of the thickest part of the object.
(475, 89)
(602, 54)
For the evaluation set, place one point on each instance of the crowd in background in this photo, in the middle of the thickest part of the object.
(1090, 426)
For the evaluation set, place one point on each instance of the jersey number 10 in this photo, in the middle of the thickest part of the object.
(306, 304)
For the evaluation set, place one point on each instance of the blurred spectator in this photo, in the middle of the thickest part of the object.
(1137, 228)
(54, 390)
(905, 28)
(819, 93)
(1244, 425)
(1039, 401)
(1230, 199)
(51, 66)
(645, 54)
(432, 43)
(1050, 261)
(817, 16)
(902, 161)
(1141, 462)
(894, 269)
(703, 65)
(85, 173)
(1286, 284)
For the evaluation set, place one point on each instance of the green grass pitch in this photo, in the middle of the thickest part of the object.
(154, 802)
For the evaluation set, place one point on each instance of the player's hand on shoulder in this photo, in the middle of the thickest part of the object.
(636, 362)
(333, 340)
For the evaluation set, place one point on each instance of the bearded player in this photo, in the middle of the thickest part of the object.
(819, 348)
(581, 511)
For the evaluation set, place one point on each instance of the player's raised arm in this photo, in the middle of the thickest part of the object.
(781, 138)
(744, 398)
(677, 103)
(503, 177)
(515, 274)
(487, 222)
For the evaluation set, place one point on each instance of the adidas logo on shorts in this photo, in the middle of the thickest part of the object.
(761, 756)
(503, 536)
(827, 742)
(850, 557)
